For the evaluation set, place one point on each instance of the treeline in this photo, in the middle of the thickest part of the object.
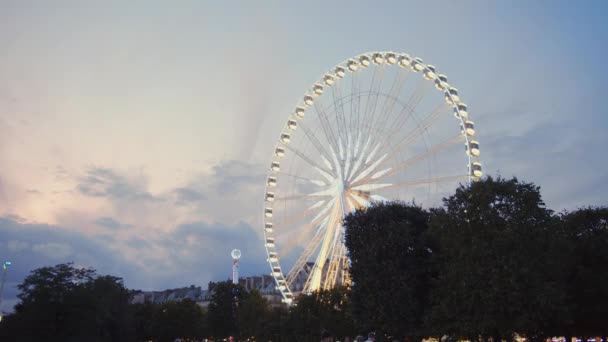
(64, 303)
(492, 263)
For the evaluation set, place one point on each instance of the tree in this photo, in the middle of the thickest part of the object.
(183, 319)
(497, 262)
(66, 303)
(324, 310)
(390, 253)
(223, 308)
(586, 231)
(253, 316)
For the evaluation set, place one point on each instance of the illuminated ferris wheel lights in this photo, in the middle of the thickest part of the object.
(269, 228)
(309, 100)
(454, 94)
(317, 89)
(391, 58)
(269, 197)
(476, 170)
(441, 82)
(469, 128)
(404, 61)
(300, 112)
(417, 64)
(429, 73)
(473, 148)
(268, 212)
(461, 111)
(378, 58)
(364, 60)
(285, 138)
(329, 80)
(292, 124)
(340, 72)
(273, 259)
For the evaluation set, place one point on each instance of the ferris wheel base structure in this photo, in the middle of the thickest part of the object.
(377, 127)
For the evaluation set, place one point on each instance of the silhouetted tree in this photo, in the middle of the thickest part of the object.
(497, 271)
(67, 303)
(324, 310)
(253, 316)
(223, 308)
(586, 231)
(390, 253)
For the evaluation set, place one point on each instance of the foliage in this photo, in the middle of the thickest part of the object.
(497, 264)
(223, 308)
(390, 252)
(253, 316)
(66, 303)
(586, 231)
(325, 310)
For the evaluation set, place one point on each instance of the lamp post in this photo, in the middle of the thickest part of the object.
(5, 266)
(236, 255)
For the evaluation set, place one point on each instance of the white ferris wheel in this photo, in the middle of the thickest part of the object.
(373, 128)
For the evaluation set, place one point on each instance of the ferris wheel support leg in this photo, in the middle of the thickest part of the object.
(315, 280)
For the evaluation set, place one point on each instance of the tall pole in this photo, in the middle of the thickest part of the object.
(5, 266)
(236, 255)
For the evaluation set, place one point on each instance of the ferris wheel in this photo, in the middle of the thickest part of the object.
(373, 128)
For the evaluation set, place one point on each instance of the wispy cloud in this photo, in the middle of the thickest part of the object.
(112, 223)
(104, 182)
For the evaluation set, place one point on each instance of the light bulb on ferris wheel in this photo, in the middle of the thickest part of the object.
(372, 128)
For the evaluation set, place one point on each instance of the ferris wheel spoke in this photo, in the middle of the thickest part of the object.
(299, 216)
(313, 181)
(314, 281)
(373, 166)
(433, 150)
(334, 261)
(372, 101)
(311, 247)
(393, 94)
(316, 142)
(409, 108)
(302, 196)
(360, 158)
(338, 102)
(326, 126)
(308, 160)
(446, 179)
(418, 131)
(354, 108)
(305, 232)
(361, 198)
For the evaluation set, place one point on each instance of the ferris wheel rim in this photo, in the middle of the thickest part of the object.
(327, 80)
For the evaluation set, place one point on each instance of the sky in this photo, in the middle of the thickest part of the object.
(135, 137)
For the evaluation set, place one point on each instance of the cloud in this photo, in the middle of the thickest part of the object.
(53, 250)
(199, 246)
(112, 223)
(185, 196)
(105, 182)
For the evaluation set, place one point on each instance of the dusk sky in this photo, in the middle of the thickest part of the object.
(135, 136)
